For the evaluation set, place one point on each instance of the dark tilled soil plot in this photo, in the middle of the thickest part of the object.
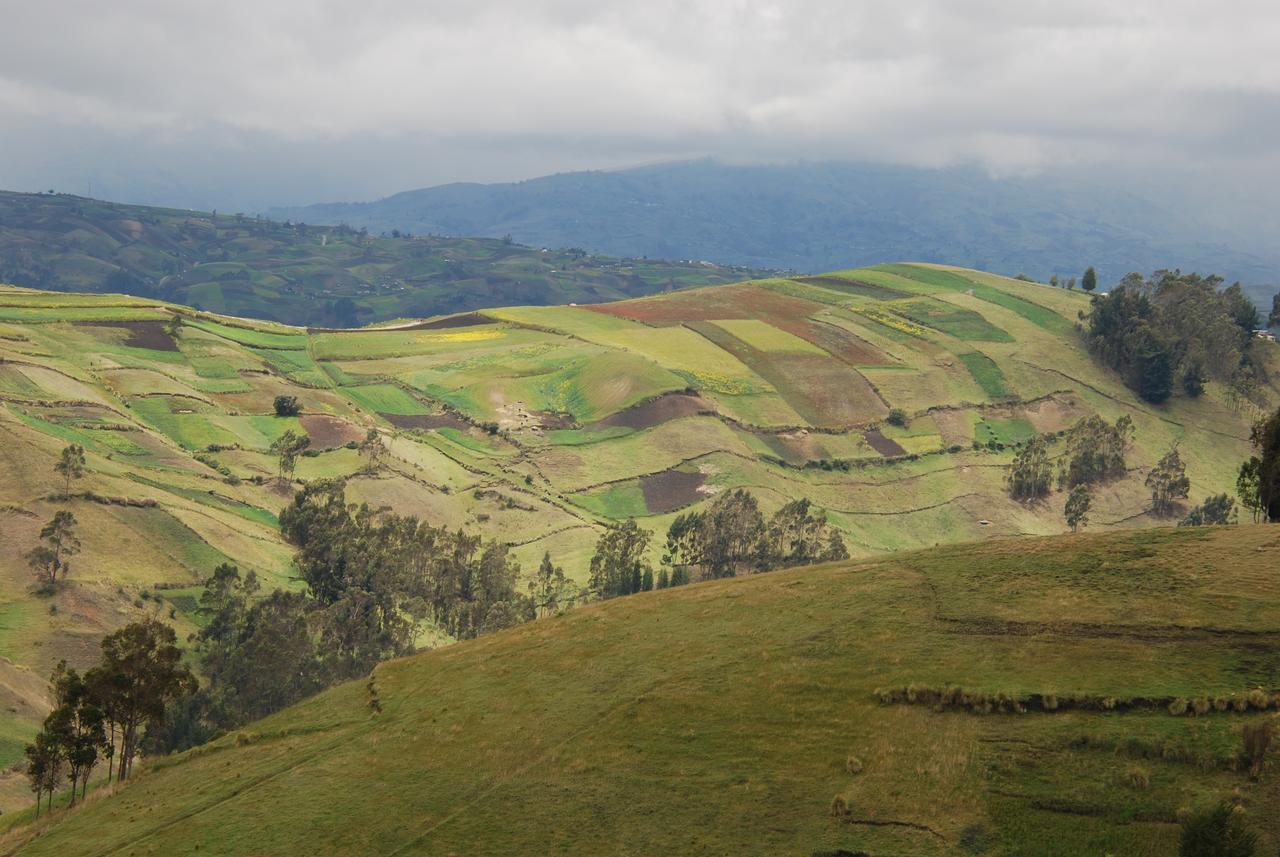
(425, 421)
(670, 490)
(328, 432)
(855, 287)
(549, 420)
(142, 334)
(882, 444)
(671, 406)
(466, 319)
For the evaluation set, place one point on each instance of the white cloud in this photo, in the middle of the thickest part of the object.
(291, 101)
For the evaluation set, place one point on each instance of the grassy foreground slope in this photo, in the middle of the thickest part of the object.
(293, 272)
(721, 718)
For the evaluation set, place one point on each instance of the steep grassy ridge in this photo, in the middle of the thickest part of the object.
(725, 718)
(538, 425)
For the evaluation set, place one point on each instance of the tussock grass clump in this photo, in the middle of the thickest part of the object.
(1138, 777)
(980, 702)
(1256, 740)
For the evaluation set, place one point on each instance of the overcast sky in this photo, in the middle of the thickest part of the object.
(243, 105)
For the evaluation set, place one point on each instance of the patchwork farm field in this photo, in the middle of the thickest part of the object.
(538, 426)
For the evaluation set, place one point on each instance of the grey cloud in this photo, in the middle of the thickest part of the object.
(246, 104)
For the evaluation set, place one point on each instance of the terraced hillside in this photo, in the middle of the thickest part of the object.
(1093, 686)
(538, 425)
(303, 274)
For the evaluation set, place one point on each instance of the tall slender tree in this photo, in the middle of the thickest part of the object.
(1266, 439)
(287, 448)
(1168, 482)
(373, 449)
(52, 558)
(70, 466)
(1079, 501)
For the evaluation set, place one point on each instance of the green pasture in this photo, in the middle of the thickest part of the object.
(754, 703)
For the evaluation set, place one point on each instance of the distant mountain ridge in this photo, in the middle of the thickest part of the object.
(817, 217)
(321, 276)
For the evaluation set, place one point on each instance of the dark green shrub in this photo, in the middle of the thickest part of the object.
(1217, 832)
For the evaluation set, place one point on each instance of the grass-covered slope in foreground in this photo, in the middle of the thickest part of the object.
(720, 719)
(303, 274)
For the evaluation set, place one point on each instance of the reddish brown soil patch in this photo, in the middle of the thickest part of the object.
(671, 406)
(549, 420)
(425, 421)
(142, 334)
(670, 490)
(328, 432)
(743, 301)
(825, 391)
(834, 340)
(882, 444)
(717, 302)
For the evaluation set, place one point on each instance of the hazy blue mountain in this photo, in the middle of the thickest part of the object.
(822, 216)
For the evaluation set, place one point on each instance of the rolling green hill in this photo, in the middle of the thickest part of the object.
(539, 425)
(1093, 689)
(327, 275)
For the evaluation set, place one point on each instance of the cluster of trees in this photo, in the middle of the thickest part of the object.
(102, 714)
(372, 579)
(729, 538)
(390, 569)
(1176, 331)
(1095, 452)
(51, 559)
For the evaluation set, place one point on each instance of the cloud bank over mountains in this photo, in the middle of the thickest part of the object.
(246, 104)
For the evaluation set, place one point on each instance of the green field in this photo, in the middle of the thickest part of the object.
(583, 415)
(728, 717)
